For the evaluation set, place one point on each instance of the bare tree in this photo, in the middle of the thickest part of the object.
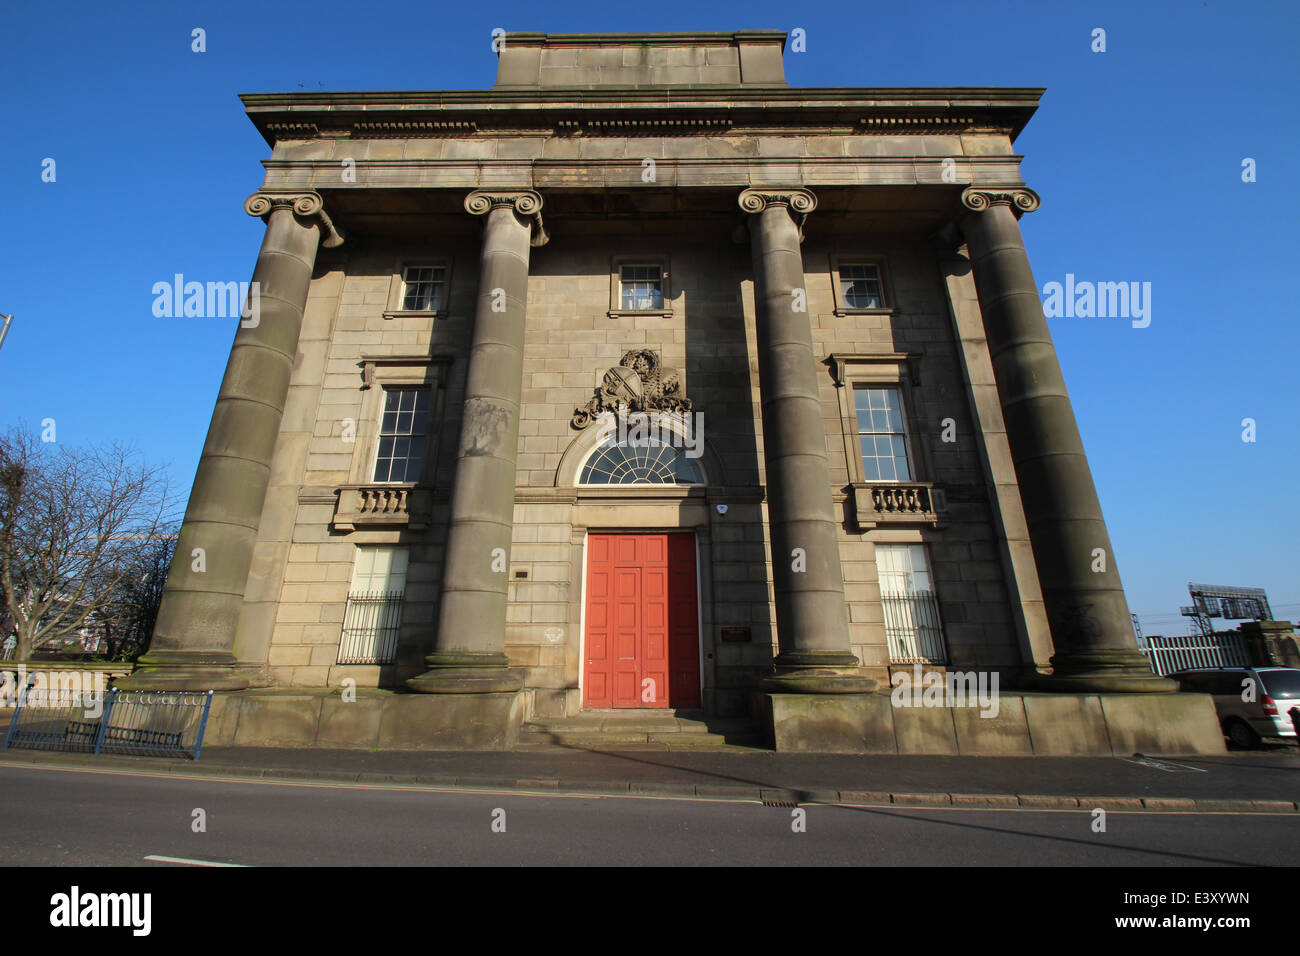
(126, 622)
(73, 526)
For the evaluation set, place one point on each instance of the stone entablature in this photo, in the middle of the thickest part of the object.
(600, 137)
(854, 111)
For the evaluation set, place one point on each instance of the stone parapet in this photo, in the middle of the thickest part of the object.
(317, 717)
(1024, 724)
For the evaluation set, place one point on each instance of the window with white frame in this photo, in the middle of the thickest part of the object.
(424, 288)
(912, 626)
(882, 433)
(860, 286)
(641, 287)
(399, 455)
(374, 610)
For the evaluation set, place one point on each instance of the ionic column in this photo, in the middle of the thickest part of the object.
(193, 639)
(1087, 612)
(469, 653)
(812, 621)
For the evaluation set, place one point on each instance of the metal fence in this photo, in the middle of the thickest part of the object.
(1168, 655)
(913, 628)
(143, 723)
(370, 626)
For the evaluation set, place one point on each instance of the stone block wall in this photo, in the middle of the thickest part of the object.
(570, 341)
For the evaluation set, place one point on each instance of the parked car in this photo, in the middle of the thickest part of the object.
(1245, 722)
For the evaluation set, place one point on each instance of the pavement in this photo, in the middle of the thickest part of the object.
(1266, 780)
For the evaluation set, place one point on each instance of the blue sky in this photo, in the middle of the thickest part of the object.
(1136, 152)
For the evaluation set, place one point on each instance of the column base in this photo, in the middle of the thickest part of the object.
(812, 672)
(184, 670)
(818, 722)
(466, 672)
(1102, 672)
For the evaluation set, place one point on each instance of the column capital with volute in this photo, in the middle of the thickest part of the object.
(305, 203)
(799, 201)
(527, 203)
(1021, 199)
(758, 198)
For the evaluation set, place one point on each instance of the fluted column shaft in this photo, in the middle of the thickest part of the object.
(469, 654)
(193, 640)
(1086, 609)
(811, 614)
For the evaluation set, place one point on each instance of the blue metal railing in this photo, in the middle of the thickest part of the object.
(143, 723)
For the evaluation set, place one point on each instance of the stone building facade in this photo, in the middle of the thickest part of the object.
(871, 464)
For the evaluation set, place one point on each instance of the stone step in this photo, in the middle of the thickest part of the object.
(619, 740)
(586, 725)
(653, 729)
(692, 742)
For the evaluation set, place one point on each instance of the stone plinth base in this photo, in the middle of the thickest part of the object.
(1023, 724)
(321, 718)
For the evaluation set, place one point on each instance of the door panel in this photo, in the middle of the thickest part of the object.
(642, 622)
(683, 622)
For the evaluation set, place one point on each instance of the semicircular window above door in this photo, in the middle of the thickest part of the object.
(641, 463)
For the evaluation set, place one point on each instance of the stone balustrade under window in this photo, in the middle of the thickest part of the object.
(381, 505)
(894, 502)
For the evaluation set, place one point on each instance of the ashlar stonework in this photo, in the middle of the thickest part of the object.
(400, 491)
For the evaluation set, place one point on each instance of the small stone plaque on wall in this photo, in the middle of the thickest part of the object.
(735, 635)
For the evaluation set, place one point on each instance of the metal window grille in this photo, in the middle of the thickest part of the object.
(1185, 652)
(370, 626)
(913, 628)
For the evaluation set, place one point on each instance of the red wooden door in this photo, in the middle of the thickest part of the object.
(642, 624)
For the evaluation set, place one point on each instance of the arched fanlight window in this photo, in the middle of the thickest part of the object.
(640, 463)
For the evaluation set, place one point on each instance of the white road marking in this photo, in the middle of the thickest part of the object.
(181, 859)
(1165, 765)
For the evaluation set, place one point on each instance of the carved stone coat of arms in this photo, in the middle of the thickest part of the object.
(638, 382)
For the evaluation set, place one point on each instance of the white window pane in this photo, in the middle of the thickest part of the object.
(379, 569)
(397, 568)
